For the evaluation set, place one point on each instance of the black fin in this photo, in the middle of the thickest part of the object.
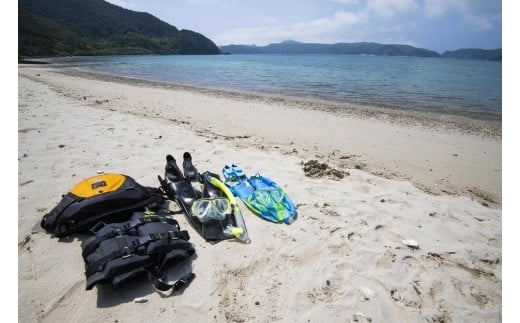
(171, 170)
(190, 172)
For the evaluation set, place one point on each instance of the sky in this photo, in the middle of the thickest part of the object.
(438, 25)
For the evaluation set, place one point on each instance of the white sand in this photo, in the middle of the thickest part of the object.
(342, 260)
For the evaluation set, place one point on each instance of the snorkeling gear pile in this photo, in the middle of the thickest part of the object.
(132, 232)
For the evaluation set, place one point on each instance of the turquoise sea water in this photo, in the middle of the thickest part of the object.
(472, 87)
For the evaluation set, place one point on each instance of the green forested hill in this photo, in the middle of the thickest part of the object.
(294, 47)
(363, 48)
(475, 53)
(96, 27)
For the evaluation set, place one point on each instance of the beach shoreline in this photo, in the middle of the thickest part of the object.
(399, 163)
(364, 188)
(477, 124)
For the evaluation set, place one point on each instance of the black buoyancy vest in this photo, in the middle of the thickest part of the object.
(144, 244)
(105, 197)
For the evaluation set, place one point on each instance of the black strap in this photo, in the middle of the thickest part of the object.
(150, 202)
(124, 250)
(154, 243)
(163, 285)
(90, 245)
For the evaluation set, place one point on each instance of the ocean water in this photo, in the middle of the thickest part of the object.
(470, 87)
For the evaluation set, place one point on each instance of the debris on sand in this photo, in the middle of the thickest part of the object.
(314, 168)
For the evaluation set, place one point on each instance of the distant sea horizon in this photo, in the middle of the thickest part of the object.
(446, 85)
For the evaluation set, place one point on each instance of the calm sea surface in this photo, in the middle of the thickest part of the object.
(471, 87)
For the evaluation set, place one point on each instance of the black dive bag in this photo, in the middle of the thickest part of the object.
(146, 243)
(105, 197)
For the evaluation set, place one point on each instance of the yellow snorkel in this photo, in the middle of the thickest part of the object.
(240, 231)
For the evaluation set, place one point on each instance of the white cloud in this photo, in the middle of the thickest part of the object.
(436, 8)
(346, 1)
(324, 25)
(202, 2)
(479, 14)
(389, 8)
(478, 22)
(313, 30)
(270, 20)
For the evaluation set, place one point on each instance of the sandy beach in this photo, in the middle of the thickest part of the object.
(435, 179)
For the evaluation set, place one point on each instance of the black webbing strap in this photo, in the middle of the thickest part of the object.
(151, 201)
(93, 244)
(163, 285)
(124, 250)
(119, 229)
(161, 241)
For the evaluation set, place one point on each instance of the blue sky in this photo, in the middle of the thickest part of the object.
(438, 25)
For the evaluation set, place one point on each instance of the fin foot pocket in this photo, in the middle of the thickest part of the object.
(190, 172)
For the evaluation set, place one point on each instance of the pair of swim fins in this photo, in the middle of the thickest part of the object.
(261, 195)
(208, 210)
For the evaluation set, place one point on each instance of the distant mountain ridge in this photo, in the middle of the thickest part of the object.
(475, 53)
(96, 27)
(360, 48)
(363, 48)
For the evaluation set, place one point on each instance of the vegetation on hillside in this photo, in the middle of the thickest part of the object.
(363, 48)
(96, 27)
(293, 47)
(495, 54)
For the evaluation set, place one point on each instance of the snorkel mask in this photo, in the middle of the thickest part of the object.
(211, 209)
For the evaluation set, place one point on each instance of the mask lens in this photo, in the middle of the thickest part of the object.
(222, 205)
(199, 208)
(212, 213)
(206, 210)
